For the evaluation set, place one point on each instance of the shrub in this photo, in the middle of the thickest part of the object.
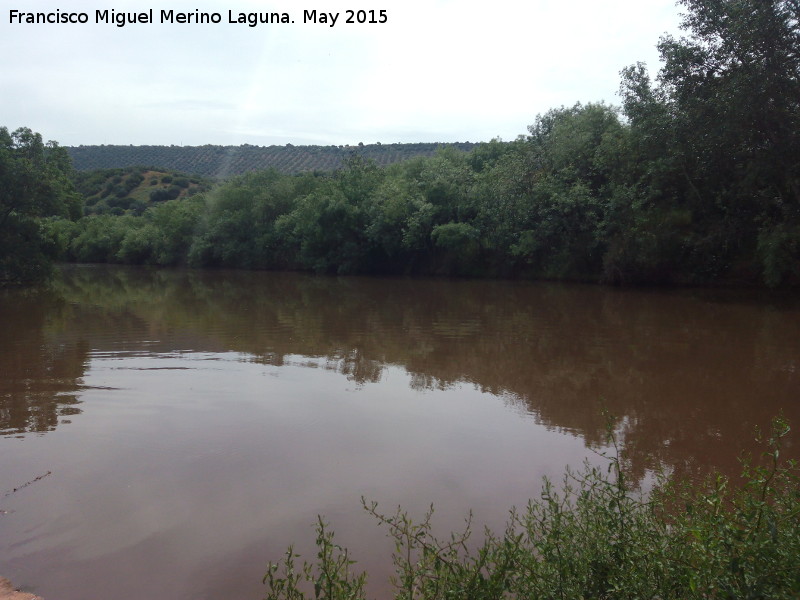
(162, 195)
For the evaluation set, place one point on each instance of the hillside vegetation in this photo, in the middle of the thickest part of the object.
(134, 189)
(223, 161)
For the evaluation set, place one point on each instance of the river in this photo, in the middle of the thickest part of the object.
(178, 429)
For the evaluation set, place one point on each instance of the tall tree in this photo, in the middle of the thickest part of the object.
(34, 183)
(734, 88)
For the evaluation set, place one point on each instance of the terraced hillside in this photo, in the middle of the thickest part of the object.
(222, 161)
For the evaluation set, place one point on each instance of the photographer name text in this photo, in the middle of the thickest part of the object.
(196, 17)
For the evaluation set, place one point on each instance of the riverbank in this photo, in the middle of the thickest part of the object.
(7, 592)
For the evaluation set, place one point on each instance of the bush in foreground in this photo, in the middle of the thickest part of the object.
(593, 538)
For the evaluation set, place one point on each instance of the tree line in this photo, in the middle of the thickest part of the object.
(695, 178)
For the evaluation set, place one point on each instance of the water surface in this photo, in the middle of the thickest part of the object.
(195, 423)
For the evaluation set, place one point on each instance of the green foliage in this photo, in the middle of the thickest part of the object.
(59, 234)
(593, 538)
(224, 161)
(328, 231)
(729, 100)
(571, 143)
(34, 183)
(162, 235)
(779, 252)
(164, 194)
(551, 196)
(139, 245)
(331, 575)
(171, 229)
(133, 189)
(461, 245)
(98, 238)
(238, 226)
(328, 227)
(398, 220)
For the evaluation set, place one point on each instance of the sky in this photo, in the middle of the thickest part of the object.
(435, 71)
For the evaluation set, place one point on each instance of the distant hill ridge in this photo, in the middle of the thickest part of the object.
(222, 161)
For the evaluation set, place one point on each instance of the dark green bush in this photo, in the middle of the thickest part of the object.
(162, 195)
(122, 202)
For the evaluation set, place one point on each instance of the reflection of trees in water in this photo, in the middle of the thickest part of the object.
(356, 366)
(688, 374)
(40, 367)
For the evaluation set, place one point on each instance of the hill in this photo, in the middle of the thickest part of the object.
(133, 189)
(222, 161)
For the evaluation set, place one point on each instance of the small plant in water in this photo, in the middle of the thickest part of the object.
(592, 538)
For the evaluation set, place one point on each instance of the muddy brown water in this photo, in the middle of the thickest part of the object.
(196, 423)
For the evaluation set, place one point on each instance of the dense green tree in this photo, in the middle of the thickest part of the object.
(328, 227)
(328, 231)
(172, 229)
(649, 225)
(98, 238)
(398, 223)
(733, 88)
(34, 183)
(552, 192)
(446, 182)
(571, 144)
(139, 244)
(458, 246)
(501, 190)
(237, 228)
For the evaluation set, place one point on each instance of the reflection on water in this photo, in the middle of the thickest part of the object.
(223, 410)
(686, 372)
(40, 368)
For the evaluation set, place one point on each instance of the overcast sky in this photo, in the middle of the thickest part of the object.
(436, 71)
